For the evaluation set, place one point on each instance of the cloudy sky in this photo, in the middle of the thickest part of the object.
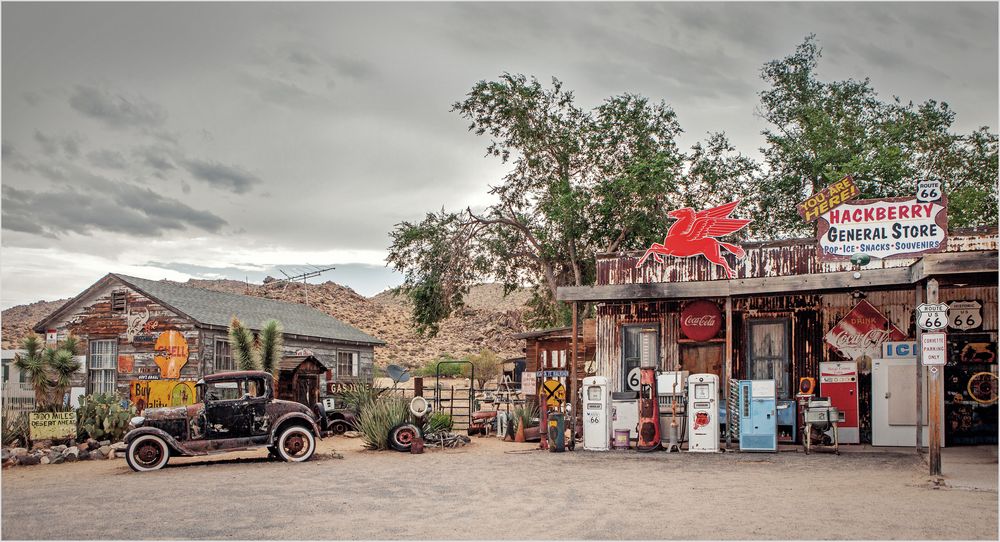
(178, 140)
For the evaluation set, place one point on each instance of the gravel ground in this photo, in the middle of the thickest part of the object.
(495, 490)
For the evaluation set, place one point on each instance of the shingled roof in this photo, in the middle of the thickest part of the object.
(212, 308)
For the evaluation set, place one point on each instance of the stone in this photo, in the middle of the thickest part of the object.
(83, 446)
(18, 451)
(28, 460)
(105, 443)
(59, 448)
(84, 454)
(72, 450)
(98, 454)
(118, 446)
(45, 460)
(70, 458)
(4, 454)
(58, 459)
(105, 450)
(41, 444)
(92, 443)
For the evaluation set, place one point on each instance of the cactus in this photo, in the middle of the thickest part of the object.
(101, 417)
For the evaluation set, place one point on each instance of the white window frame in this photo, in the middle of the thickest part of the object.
(215, 355)
(355, 363)
(102, 366)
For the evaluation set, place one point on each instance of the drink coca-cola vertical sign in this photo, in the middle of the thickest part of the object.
(701, 320)
(862, 332)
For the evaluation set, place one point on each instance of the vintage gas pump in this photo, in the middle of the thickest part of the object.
(703, 408)
(596, 413)
(649, 408)
(838, 380)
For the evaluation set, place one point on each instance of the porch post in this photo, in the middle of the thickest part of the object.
(728, 370)
(934, 398)
(919, 370)
(574, 400)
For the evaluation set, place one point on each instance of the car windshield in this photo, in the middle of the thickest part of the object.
(222, 391)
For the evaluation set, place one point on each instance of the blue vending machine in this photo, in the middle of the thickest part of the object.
(758, 416)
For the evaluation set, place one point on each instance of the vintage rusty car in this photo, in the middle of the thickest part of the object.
(234, 411)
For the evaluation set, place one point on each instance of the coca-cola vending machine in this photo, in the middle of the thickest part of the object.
(838, 380)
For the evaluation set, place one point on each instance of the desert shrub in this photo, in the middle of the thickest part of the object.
(15, 428)
(448, 370)
(358, 397)
(438, 421)
(376, 418)
(101, 417)
(525, 415)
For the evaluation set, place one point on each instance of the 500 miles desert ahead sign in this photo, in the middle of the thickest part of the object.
(883, 228)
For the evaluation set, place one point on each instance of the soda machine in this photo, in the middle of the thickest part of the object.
(838, 380)
(703, 409)
(596, 413)
(758, 416)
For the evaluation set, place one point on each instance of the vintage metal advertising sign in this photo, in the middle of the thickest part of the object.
(51, 425)
(828, 198)
(161, 393)
(883, 228)
(862, 332)
(965, 315)
(701, 320)
(694, 234)
(171, 353)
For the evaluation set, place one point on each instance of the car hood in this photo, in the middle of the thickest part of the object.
(280, 406)
(173, 413)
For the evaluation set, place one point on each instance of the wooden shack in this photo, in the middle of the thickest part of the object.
(298, 379)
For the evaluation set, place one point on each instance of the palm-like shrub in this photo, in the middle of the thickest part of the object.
(49, 370)
(260, 352)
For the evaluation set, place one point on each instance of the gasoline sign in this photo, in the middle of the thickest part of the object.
(965, 315)
(932, 316)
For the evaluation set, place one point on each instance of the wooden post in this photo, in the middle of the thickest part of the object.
(418, 386)
(728, 369)
(919, 369)
(574, 400)
(934, 398)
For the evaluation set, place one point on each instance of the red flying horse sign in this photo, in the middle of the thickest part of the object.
(695, 233)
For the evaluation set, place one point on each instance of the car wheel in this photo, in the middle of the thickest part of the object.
(146, 453)
(296, 444)
(339, 427)
(401, 437)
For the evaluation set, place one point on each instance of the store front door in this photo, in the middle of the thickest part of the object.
(702, 358)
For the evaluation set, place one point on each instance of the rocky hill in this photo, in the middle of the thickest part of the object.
(487, 320)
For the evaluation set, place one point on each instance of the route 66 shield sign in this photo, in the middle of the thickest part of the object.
(932, 316)
(965, 315)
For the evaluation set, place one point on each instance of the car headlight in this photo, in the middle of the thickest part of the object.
(137, 421)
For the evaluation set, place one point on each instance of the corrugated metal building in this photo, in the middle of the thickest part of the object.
(785, 298)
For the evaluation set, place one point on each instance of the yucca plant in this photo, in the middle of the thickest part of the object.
(49, 370)
(525, 415)
(32, 364)
(361, 395)
(260, 352)
(378, 417)
(438, 421)
(15, 428)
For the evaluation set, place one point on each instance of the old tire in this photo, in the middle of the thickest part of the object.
(339, 427)
(401, 437)
(146, 453)
(296, 444)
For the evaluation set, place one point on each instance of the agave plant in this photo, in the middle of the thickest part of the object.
(378, 417)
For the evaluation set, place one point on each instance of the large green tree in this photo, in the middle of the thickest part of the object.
(820, 131)
(581, 182)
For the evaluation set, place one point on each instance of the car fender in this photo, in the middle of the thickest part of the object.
(173, 443)
(294, 416)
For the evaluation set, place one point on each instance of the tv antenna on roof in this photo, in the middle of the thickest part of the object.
(314, 272)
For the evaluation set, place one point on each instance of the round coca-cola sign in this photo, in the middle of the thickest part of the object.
(701, 320)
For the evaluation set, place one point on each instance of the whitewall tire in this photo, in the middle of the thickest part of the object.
(296, 444)
(146, 453)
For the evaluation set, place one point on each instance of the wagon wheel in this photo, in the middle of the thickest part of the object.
(982, 388)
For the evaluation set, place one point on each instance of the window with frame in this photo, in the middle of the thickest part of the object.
(223, 356)
(226, 390)
(347, 364)
(632, 350)
(102, 366)
(769, 353)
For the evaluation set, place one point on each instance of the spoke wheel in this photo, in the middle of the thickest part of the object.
(296, 444)
(401, 437)
(146, 453)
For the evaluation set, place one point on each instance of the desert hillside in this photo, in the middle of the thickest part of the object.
(487, 320)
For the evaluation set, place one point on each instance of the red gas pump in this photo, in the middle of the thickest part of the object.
(649, 411)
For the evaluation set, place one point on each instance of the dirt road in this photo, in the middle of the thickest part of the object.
(496, 490)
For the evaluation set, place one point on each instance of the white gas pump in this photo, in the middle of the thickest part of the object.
(703, 413)
(596, 413)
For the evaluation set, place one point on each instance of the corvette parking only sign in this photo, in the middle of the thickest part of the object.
(934, 348)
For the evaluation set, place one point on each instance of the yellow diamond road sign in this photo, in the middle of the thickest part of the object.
(553, 391)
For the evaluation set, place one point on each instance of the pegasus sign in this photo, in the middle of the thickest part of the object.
(695, 234)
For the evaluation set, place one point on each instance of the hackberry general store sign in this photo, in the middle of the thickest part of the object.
(883, 228)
